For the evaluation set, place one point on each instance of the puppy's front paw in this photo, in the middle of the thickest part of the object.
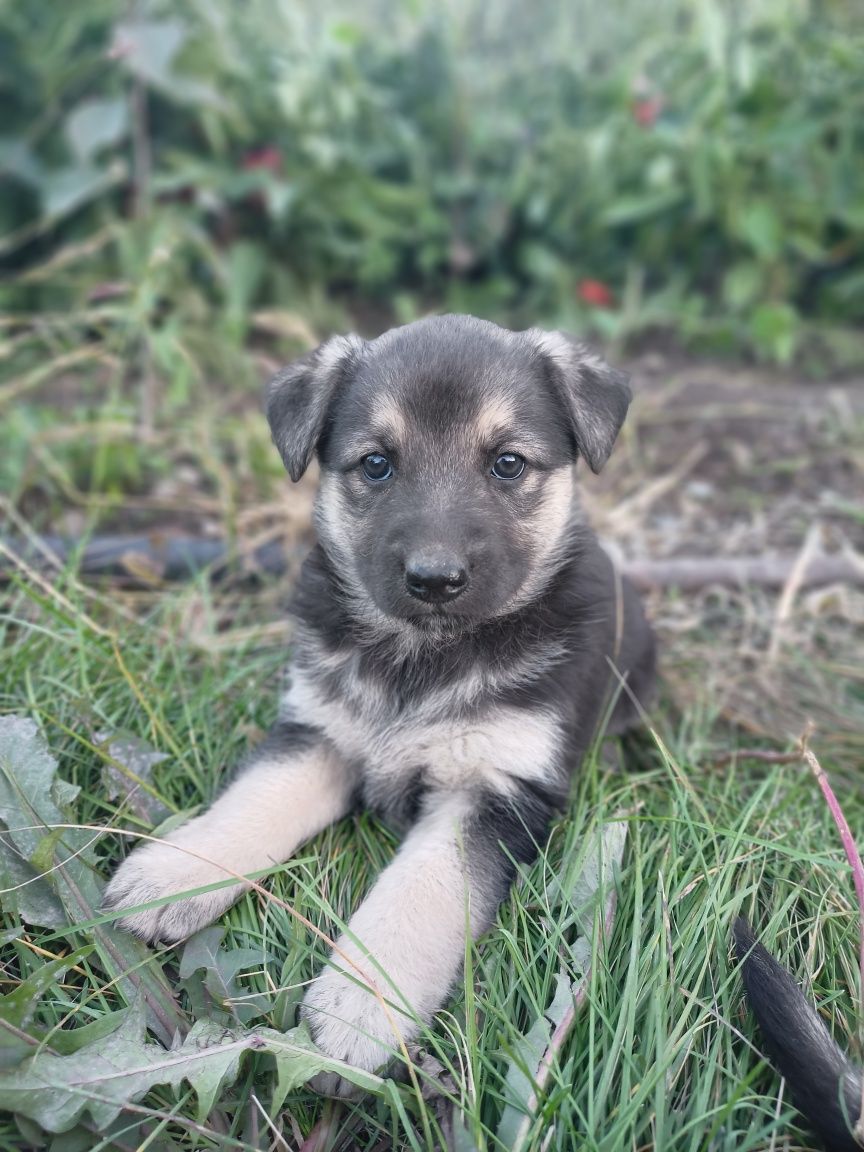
(348, 1022)
(162, 868)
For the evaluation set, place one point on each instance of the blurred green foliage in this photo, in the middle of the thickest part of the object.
(170, 171)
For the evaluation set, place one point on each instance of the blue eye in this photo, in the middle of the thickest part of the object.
(377, 467)
(508, 466)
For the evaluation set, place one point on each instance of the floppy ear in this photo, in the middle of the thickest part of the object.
(596, 396)
(298, 399)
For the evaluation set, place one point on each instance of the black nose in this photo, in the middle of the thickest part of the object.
(435, 580)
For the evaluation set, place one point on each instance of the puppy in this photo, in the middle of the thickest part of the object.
(460, 634)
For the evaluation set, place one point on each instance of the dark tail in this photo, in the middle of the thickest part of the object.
(825, 1086)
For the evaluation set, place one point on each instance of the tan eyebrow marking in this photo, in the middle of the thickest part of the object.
(497, 425)
(493, 419)
(388, 420)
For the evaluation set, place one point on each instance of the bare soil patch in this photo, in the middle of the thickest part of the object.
(721, 462)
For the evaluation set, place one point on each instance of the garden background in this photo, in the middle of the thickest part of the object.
(191, 195)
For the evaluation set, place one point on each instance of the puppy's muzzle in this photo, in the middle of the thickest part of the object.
(435, 580)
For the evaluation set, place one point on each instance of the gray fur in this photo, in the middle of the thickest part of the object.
(457, 708)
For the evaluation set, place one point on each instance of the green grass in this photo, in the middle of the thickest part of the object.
(662, 1055)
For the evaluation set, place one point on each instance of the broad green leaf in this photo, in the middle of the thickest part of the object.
(67, 1041)
(28, 782)
(58, 1091)
(759, 224)
(214, 1060)
(24, 892)
(148, 49)
(94, 125)
(127, 774)
(633, 209)
(298, 1060)
(66, 189)
(69, 890)
(774, 329)
(220, 966)
(742, 284)
(19, 1042)
(27, 811)
(18, 159)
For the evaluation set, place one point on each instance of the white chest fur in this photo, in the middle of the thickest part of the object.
(497, 745)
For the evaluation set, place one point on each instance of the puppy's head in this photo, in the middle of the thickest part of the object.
(447, 451)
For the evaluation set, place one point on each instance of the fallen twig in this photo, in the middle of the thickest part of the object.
(739, 571)
(764, 755)
(148, 559)
(792, 585)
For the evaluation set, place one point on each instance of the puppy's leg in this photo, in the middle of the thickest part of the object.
(407, 940)
(293, 787)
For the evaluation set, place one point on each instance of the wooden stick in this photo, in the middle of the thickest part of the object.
(763, 755)
(771, 571)
(147, 559)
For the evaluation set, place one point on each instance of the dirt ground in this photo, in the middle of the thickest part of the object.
(720, 462)
(756, 458)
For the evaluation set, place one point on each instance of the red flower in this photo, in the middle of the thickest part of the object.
(646, 111)
(596, 293)
(268, 158)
